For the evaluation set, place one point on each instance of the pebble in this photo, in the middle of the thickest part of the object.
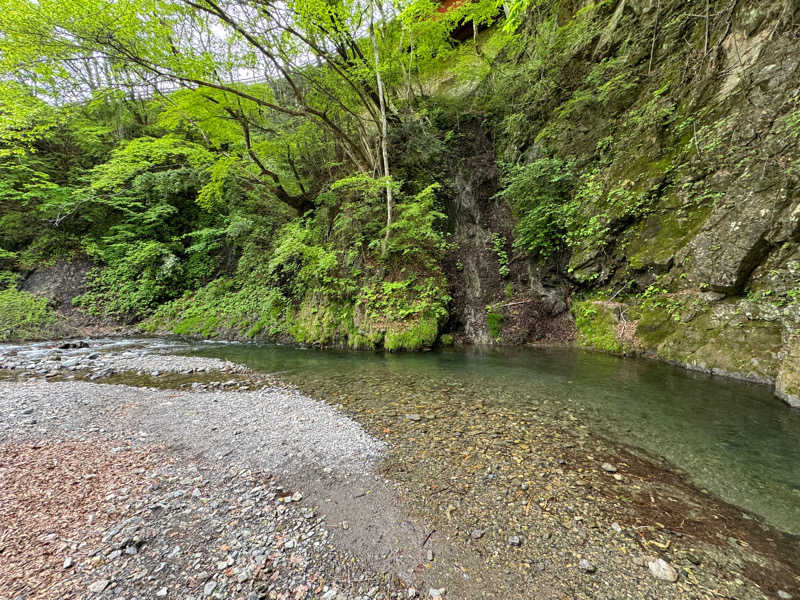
(784, 595)
(587, 567)
(243, 576)
(515, 540)
(68, 562)
(476, 534)
(608, 468)
(208, 589)
(99, 585)
(162, 592)
(413, 417)
(436, 594)
(661, 569)
(329, 595)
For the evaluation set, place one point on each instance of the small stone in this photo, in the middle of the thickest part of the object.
(412, 593)
(99, 585)
(243, 576)
(435, 594)
(329, 595)
(587, 567)
(617, 476)
(476, 534)
(345, 525)
(661, 569)
(208, 589)
(616, 527)
(68, 562)
(514, 540)
(784, 595)
(413, 417)
(162, 592)
(430, 556)
(297, 496)
(608, 468)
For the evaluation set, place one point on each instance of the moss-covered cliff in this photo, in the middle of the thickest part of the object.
(650, 156)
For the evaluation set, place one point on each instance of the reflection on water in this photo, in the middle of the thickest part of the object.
(733, 438)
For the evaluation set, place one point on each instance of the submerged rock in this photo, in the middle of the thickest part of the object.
(586, 566)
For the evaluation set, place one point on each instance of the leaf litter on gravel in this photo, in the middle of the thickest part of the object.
(55, 497)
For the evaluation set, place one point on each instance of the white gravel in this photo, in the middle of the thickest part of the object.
(277, 430)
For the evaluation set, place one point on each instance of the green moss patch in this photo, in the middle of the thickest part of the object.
(597, 326)
(656, 240)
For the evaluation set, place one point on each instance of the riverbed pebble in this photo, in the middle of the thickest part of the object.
(661, 569)
(586, 566)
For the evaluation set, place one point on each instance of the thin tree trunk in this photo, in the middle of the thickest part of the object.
(384, 128)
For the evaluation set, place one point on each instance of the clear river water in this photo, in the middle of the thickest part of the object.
(735, 439)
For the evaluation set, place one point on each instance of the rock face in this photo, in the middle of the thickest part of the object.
(708, 274)
(497, 296)
(61, 282)
(787, 386)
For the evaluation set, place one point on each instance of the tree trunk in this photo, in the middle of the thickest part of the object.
(384, 129)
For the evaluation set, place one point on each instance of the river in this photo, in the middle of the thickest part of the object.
(731, 438)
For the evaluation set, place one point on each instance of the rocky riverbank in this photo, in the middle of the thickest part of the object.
(237, 486)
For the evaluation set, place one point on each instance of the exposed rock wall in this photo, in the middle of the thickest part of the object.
(498, 296)
(696, 158)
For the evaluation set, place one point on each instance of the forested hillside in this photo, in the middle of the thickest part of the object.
(623, 174)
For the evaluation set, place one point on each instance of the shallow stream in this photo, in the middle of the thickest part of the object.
(732, 438)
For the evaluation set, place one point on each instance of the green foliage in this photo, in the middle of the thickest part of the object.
(499, 246)
(538, 192)
(24, 316)
(316, 286)
(494, 320)
(655, 298)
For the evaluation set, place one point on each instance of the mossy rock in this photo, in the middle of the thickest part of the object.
(421, 332)
(656, 240)
(321, 321)
(597, 326)
(718, 340)
(787, 385)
